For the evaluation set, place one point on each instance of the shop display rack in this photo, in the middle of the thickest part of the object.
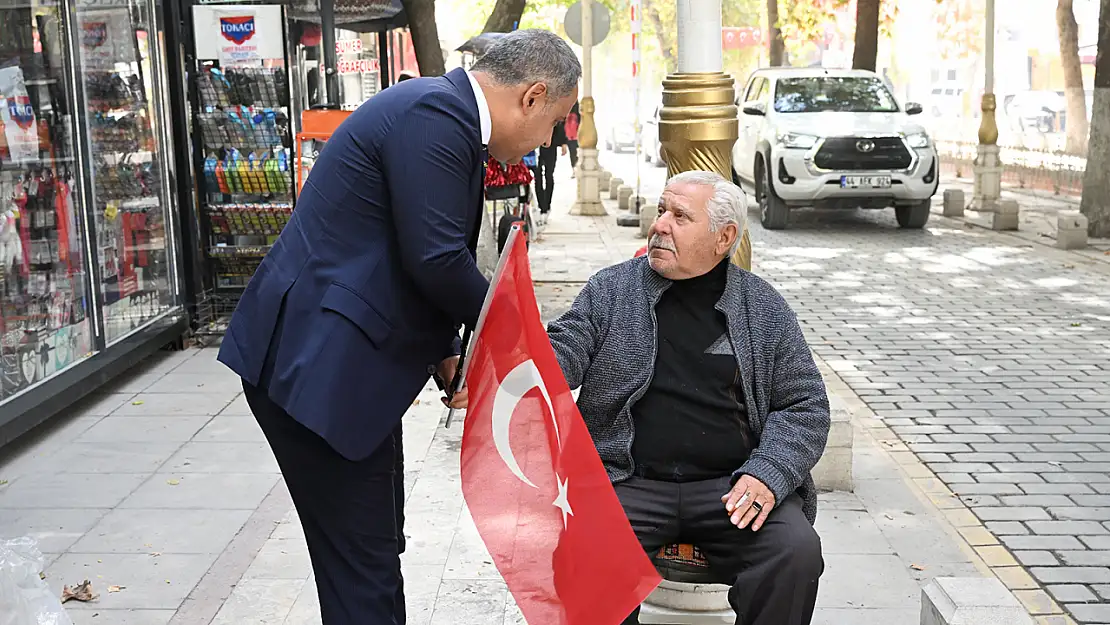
(243, 130)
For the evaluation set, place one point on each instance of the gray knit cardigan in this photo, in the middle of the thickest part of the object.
(606, 345)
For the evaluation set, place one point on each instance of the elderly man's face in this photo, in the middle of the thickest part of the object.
(681, 245)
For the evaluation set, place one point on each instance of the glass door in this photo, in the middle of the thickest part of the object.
(131, 203)
(45, 323)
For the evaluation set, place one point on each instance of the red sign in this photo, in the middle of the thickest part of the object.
(357, 66)
(738, 38)
(531, 476)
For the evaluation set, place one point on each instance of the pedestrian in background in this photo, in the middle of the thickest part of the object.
(574, 119)
(545, 169)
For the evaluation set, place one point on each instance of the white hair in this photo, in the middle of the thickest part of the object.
(727, 205)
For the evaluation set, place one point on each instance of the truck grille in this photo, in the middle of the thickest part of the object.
(852, 153)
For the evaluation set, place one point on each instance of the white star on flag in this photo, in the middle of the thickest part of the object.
(561, 501)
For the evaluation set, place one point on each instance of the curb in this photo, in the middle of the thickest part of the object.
(982, 548)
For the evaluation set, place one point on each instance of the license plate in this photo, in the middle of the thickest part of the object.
(865, 182)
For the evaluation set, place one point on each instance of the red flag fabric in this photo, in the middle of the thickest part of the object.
(531, 476)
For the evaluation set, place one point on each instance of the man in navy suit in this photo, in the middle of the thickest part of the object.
(366, 290)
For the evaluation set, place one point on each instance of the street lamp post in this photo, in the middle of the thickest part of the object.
(698, 122)
(988, 168)
(589, 179)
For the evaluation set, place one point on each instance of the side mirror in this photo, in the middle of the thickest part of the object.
(755, 108)
(913, 108)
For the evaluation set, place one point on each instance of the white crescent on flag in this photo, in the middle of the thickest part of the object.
(522, 379)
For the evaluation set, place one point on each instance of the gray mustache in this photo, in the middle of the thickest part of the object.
(658, 242)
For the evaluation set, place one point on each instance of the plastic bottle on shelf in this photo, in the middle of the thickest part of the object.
(221, 177)
(210, 164)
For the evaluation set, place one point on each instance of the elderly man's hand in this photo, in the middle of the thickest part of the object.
(446, 372)
(749, 502)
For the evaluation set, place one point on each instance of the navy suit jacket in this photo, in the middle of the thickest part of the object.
(375, 272)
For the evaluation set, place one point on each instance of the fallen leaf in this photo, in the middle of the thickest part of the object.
(3, 482)
(155, 554)
(173, 482)
(137, 402)
(116, 588)
(416, 402)
(81, 592)
(917, 567)
(1075, 324)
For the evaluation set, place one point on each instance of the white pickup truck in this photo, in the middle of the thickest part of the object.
(830, 138)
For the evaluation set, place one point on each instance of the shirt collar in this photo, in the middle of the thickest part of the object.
(484, 120)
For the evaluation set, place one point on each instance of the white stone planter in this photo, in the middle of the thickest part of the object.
(675, 603)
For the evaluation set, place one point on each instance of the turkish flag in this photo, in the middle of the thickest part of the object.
(531, 476)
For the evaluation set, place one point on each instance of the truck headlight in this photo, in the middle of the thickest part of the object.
(918, 140)
(796, 140)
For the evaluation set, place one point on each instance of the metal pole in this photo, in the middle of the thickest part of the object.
(329, 64)
(636, 30)
(989, 86)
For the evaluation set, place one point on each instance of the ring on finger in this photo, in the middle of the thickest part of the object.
(758, 506)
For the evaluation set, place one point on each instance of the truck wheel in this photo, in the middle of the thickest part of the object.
(914, 215)
(773, 212)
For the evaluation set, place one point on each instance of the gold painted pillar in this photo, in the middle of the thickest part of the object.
(698, 122)
(589, 174)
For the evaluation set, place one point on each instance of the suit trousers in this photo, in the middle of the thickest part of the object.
(352, 514)
(544, 172)
(773, 572)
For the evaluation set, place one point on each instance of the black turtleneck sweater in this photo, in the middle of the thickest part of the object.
(691, 424)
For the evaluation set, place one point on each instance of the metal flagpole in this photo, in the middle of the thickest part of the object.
(634, 7)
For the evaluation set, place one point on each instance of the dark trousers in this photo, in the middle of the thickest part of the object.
(545, 176)
(572, 147)
(352, 513)
(774, 571)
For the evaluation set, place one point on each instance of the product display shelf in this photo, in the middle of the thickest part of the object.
(243, 127)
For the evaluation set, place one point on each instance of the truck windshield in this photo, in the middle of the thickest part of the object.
(844, 94)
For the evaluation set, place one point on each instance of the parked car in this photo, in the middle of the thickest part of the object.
(621, 137)
(832, 139)
(649, 140)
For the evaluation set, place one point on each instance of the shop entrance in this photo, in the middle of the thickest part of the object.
(257, 77)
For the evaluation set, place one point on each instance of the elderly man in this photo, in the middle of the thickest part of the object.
(704, 402)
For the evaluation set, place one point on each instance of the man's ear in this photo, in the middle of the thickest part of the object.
(534, 95)
(726, 237)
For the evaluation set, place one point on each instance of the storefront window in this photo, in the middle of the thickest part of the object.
(44, 322)
(131, 206)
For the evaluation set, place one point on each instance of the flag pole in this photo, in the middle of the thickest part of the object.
(464, 362)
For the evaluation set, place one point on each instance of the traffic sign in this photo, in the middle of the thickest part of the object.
(572, 23)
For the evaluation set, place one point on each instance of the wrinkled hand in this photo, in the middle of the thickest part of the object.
(740, 506)
(446, 372)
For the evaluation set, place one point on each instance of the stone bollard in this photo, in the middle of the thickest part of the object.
(673, 603)
(614, 184)
(1071, 230)
(648, 212)
(1005, 216)
(970, 601)
(834, 470)
(603, 179)
(954, 203)
(624, 194)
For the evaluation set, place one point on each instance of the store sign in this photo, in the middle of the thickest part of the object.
(357, 66)
(18, 116)
(733, 38)
(240, 36)
(237, 29)
(106, 38)
(348, 46)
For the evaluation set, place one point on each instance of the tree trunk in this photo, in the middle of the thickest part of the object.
(866, 53)
(776, 46)
(425, 36)
(1096, 181)
(665, 35)
(505, 16)
(1076, 119)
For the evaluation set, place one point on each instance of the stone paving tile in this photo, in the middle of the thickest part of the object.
(988, 356)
